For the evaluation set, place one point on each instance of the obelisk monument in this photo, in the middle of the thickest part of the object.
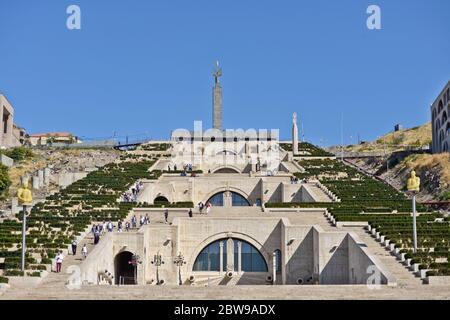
(217, 98)
(294, 134)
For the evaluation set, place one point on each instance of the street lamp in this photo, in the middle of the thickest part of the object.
(157, 261)
(25, 199)
(179, 261)
(413, 185)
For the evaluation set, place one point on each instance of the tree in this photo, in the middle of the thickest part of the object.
(5, 181)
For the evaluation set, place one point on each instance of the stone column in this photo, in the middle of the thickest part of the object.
(217, 99)
(47, 176)
(239, 257)
(221, 257)
(35, 182)
(294, 134)
(230, 254)
(40, 174)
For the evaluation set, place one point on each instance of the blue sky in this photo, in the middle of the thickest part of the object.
(144, 67)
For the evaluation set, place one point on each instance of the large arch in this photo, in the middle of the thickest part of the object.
(237, 200)
(124, 270)
(223, 189)
(226, 170)
(161, 199)
(225, 235)
(230, 168)
(250, 259)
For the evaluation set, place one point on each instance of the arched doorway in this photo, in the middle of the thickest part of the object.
(124, 269)
(161, 199)
(228, 199)
(226, 170)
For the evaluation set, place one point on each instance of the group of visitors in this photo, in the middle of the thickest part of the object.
(295, 180)
(132, 193)
(186, 168)
(206, 206)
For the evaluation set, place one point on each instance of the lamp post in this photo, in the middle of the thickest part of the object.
(157, 261)
(413, 185)
(179, 261)
(25, 199)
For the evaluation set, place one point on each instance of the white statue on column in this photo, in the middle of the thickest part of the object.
(294, 134)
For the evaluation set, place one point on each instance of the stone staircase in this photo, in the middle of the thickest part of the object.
(292, 168)
(403, 275)
(317, 193)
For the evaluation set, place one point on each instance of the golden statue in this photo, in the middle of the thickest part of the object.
(413, 183)
(25, 196)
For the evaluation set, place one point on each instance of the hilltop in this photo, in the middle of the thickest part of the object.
(416, 137)
(433, 169)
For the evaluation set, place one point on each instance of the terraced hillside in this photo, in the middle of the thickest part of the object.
(307, 149)
(54, 223)
(365, 199)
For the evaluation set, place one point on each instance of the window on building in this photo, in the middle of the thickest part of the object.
(209, 257)
(278, 260)
(251, 259)
(217, 200)
(238, 201)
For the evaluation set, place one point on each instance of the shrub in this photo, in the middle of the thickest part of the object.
(19, 153)
(5, 181)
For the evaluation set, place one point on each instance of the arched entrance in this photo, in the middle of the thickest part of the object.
(226, 170)
(161, 199)
(228, 199)
(124, 269)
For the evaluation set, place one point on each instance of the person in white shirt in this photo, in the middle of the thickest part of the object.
(84, 251)
(59, 260)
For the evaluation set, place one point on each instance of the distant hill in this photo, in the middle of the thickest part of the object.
(416, 137)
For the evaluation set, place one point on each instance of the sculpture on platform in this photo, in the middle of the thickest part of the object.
(413, 182)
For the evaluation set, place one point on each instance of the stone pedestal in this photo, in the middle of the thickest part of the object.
(35, 182)
(46, 176)
(40, 174)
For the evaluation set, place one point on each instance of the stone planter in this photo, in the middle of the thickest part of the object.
(438, 280)
(414, 267)
(423, 273)
(408, 262)
(374, 232)
(369, 228)
(392, 248)
(401, 257)
(377, 236)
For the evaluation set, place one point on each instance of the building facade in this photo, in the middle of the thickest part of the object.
(10, 134)
(440, 123)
